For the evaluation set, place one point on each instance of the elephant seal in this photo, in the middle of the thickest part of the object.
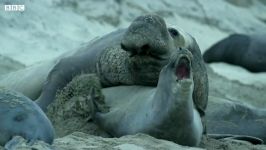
(247, 51)
(166, 111)
(235, 118)
(20, 116)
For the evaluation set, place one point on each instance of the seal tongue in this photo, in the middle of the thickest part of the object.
(183, 69)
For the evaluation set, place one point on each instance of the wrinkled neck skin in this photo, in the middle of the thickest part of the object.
(176, 93)
(179, 93)
(181, 116)
(116, 67)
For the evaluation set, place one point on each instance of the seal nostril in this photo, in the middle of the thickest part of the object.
(145, 47)
(20, 117)
(123, 46)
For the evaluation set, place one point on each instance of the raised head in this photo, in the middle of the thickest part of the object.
(179, 68)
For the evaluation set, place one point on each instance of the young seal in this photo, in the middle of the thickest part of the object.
(20, 116)
(247, 51)
(131, 111)
(167, 111)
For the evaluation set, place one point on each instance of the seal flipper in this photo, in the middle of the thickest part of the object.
(251, 139)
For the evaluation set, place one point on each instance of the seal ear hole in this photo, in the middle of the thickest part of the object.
(173, 32)
(20, 117)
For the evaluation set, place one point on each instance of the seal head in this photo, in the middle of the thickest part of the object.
(19, 116)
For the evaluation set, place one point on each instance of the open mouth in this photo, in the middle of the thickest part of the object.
(183, 68)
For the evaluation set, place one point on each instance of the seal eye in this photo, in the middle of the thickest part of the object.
(173, 32)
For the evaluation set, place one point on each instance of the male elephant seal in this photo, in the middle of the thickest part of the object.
(248, 51)
(167, 111)
(21, 116)
(147, 45)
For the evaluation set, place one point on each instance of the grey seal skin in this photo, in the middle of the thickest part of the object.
(166, 111)
(153, 43)
(235, 118)
(20, 116)
(248, 51)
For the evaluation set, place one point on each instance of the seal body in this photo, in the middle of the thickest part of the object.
(28, 81)
(19, 116)
(235, 118)
(247, 51)
(167, 111)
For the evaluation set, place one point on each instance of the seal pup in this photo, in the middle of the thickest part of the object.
(167, 111)
(248, 51)
(20, 116)
(225, 119)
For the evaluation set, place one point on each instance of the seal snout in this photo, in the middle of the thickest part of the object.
(183, 68)
(142, 50)
(147, 36)
(143, 46)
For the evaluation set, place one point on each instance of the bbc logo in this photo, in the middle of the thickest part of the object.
(14, 7)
